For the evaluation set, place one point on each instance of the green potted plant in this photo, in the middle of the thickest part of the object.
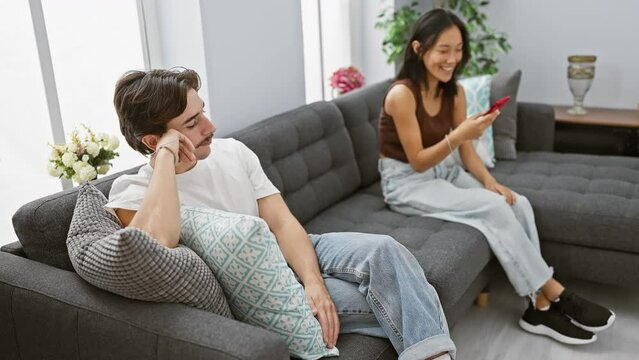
(397, 25)
(486, 44)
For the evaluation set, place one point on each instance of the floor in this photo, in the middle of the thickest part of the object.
(493, 333)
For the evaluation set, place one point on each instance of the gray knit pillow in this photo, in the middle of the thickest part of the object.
(130, 263)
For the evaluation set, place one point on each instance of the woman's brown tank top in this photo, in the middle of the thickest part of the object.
(433, 128)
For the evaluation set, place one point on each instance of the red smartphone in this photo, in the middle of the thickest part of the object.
(498, 105)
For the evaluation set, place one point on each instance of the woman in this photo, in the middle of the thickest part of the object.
(424, 120)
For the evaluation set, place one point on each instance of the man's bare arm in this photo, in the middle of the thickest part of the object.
(300, 255)
(159, 213)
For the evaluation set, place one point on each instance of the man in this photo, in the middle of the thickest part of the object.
(161, 114)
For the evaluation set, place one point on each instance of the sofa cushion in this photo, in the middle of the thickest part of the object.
(42, 225)
(307, 154)
(586, 200)
(451, 254)
(361, 109)
(505, 127)
(128, 262)
(261, 288)
(477, 90)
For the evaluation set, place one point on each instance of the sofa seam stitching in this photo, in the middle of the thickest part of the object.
(586, 246)
(379, 356)
(77, 331)
(13, 323)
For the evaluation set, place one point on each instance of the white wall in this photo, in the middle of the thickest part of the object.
(174, 34)
(254, 60)
(366, 41)
(336, 44)
(544, 32)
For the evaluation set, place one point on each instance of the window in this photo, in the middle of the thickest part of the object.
(327, 46)
(89, 54)
(92, 43)
(339, 33)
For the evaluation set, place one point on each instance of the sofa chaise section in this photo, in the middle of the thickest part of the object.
(586, 206)
(587, 211)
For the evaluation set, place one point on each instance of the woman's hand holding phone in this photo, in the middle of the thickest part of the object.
(498, 104)
(474, 126)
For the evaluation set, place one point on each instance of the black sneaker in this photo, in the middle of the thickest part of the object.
(585, 314)
(556, 325)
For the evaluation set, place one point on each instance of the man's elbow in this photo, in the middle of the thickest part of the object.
(169, 241)
(166, 237)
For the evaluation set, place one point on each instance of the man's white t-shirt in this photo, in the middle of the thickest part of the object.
(230, 179)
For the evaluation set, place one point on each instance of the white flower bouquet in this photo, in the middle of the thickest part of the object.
(83, 159)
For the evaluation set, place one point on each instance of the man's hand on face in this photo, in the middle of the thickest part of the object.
(181, 146)
(324, 310)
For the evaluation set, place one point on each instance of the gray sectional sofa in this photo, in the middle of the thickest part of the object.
(323, 157)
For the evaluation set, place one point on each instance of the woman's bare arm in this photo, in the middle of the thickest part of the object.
(400, 104)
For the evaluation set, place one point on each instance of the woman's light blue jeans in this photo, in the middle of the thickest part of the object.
(379, 289)
(452, 194)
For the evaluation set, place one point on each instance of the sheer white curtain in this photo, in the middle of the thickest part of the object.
(327, 44)
(24, 119)
(340, 33)
(92, 43)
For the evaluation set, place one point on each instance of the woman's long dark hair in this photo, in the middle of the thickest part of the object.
(427, 30)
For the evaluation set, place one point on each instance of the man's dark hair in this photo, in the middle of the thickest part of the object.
(426, 31)
(145, 101)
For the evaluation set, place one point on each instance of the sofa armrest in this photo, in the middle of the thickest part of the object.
(535, 127)
(53, 313)
(14, 248)
(42, 225)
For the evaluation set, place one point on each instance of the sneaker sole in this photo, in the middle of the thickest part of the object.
(544, 330)
(596, 328)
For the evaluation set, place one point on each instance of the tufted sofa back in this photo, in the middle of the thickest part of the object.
(308, 155)
(306, 152)
(361, 109)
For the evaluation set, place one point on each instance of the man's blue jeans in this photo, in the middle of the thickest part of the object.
(380, 289)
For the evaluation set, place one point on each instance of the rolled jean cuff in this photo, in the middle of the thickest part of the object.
(429, 347)
(533, 295)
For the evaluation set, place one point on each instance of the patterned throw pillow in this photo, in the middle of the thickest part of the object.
(477, 91)
(258, 284)
(130, 263)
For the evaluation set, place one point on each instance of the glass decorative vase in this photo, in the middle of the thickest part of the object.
(581, 71)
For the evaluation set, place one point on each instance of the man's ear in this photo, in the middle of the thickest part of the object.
(416, 46)
(151, 141)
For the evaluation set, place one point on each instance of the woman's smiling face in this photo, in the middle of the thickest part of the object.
(444, 56)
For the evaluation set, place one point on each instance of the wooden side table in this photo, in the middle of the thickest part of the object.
(626, 121)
